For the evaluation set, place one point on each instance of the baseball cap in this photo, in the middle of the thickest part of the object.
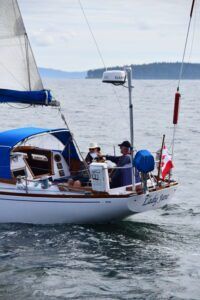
(125, 144)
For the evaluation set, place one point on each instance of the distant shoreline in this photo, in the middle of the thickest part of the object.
(154, 71)
(59, 74)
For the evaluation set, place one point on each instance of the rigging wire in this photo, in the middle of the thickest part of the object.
(77, 147)
(189, 59)
(194, 31)
(21, 40)
(101, 57)
(185, 46)
(92, 34)
(177, 94)
(17, 107)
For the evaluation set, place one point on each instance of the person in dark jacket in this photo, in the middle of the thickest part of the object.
(123, 175)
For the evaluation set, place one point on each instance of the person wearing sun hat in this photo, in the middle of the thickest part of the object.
(94, 153)
(123, 175)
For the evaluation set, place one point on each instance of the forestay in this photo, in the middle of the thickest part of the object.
(17, 64)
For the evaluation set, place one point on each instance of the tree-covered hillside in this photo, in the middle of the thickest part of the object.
(156, 71)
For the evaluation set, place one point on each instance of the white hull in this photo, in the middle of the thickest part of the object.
(45, 209)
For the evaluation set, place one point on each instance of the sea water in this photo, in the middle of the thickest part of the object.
(155, 255)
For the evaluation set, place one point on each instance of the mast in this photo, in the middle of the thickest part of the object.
(28, 52)
(20, 81)
(26, 40)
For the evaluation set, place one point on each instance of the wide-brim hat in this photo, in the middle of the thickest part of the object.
(93, 145)
(125, 144)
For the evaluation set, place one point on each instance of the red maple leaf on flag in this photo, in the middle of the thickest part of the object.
(166, 162)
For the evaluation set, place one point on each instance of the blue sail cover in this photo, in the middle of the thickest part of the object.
(42, 97)
(8, 139)
(144, 161)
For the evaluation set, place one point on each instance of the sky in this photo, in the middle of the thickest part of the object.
(127, 32)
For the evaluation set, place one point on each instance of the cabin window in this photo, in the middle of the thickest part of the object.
(39, 157)
(19, 172)
(38, 161)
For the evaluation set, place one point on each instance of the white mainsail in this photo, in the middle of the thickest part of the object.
(18, 69)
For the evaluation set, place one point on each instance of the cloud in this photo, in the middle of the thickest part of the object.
(131, 31)
(144, 26)
(48, 37)
(42, 40)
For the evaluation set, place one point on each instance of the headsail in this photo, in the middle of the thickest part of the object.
(18, 69)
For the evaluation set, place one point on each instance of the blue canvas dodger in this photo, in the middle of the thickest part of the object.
(42, 97)
(9, 138)
(144, 161)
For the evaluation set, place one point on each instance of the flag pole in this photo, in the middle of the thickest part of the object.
(161, 150)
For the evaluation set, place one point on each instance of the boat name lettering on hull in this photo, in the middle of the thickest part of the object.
(155, 199)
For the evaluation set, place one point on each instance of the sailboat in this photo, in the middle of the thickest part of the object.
(36, 181)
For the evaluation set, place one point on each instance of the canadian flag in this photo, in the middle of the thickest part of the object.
(166, 162)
